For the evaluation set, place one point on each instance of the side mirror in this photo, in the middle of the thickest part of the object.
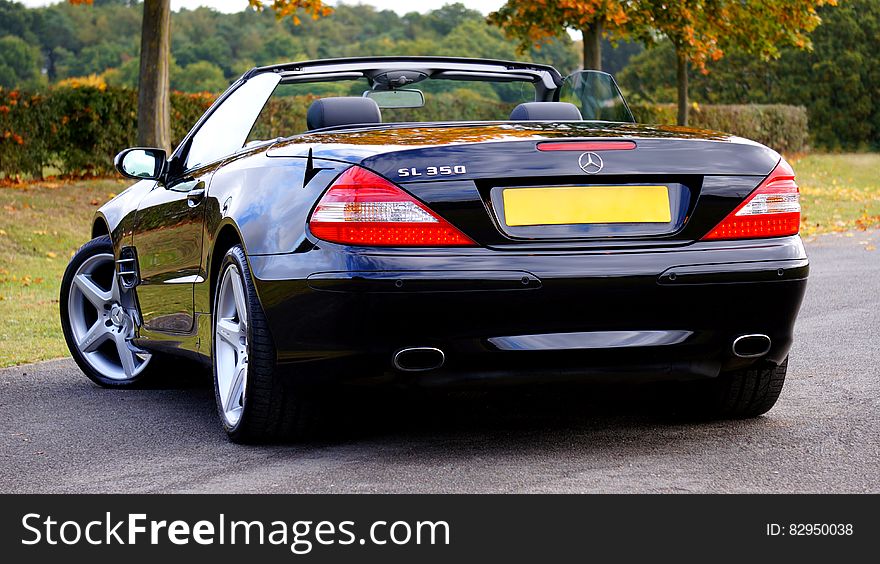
(141, 163)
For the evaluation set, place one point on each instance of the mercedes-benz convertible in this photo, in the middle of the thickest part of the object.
(440, 221)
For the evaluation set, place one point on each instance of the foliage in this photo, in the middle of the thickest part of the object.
(19, 62)
(290, 8)
(837, 81)
(103, 39)
(200, 76)
(539, 21)
(783, 128)
(616, 56)
(24, 122)
(90, 81)
(535, 23)
(77, 128)
(701, 30)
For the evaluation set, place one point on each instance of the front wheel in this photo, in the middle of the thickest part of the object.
(253, 404)
(98, 318)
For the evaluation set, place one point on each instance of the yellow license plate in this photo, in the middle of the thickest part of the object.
(586, 204)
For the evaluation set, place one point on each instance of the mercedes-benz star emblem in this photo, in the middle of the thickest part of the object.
(591, 163)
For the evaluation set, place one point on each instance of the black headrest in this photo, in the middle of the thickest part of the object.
(328, 112)
(537, 111)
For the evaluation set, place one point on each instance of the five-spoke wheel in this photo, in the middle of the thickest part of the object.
(254, 402)
(231, 344)
(97, 317)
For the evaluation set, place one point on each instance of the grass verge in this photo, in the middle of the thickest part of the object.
(838, 192)
(41, 225)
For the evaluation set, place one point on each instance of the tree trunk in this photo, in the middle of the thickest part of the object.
(154, 86)
(682, 76)
(593, 47)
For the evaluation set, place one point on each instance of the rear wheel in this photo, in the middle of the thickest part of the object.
(98, 318)
(740, 394)
(254, 405)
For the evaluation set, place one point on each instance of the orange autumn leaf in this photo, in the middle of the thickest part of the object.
(282, 8)
(533, 22)
(700, 30)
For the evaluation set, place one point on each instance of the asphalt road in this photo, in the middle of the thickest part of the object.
(60, 433)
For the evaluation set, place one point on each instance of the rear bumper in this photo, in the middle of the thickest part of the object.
(658, 314)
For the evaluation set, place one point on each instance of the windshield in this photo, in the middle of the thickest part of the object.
(444, 100)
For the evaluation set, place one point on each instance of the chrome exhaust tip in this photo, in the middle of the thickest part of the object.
(751, 346)
(418, 359)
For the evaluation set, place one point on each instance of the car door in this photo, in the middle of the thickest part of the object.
(170, 221)
(168, 238)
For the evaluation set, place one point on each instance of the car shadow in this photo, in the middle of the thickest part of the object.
(349, 415)
(370, 414)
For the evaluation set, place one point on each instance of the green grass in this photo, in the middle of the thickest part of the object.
(41, 225)
(838, 192)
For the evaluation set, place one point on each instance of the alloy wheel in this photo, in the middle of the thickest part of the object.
(231, 345)
(101, 323)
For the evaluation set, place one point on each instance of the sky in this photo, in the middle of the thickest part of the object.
(399, 6)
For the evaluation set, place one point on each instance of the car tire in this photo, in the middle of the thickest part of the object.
(98, 319)
(267, 408)
(738, 394)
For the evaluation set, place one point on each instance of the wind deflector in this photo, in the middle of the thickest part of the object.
(597, 96)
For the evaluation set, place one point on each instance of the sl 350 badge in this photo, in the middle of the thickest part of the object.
(448, 170)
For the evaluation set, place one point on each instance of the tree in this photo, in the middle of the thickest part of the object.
(154, 127)
(19, 63)
(701, 30)
(836, 81)
(534, 22)
(201, 76)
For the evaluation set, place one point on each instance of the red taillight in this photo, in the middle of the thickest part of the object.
(772, 209)
(362, 208)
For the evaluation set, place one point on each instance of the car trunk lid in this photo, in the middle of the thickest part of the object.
(640, 185)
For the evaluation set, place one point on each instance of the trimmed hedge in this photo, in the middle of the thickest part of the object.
(783, 128)
(78, 129)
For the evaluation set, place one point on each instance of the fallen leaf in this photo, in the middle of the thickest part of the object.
(50, 254)
(95, 202)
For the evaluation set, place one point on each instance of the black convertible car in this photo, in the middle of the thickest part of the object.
(389, 235)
